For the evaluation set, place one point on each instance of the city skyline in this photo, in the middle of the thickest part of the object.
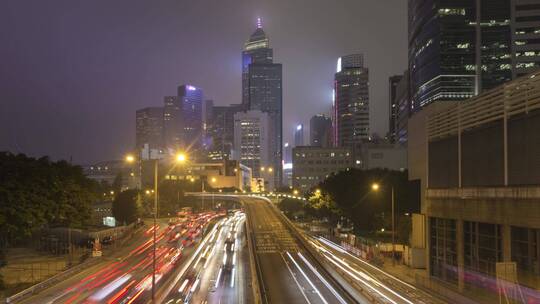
(85, 77)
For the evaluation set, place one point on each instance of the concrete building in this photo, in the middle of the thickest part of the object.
(320, 131)
(299, 135)
(287, 165)
(108, 171)
(311, 165)
(220, 130)
(351, 104)
(149, 127)
(251, 132)
(525, 26)
(223, 174)
(172, 122)
(262, 90)
(477, 162)
(383, 156)
(393, 82)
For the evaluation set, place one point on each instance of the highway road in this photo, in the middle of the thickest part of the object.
(381, 285)
(126, 275)
(288, 273)
(219, 269)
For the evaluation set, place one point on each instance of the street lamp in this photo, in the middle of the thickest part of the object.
(375, 187)
(295, 192)
(180, 158)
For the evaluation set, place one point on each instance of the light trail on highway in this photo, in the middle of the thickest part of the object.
(128, 278)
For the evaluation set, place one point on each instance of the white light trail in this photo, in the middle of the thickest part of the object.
(334, 292)
(232, 278)
(341, 249)
(307, 278)
(181, 289)
(218, 277)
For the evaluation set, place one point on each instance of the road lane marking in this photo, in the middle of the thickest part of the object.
(294, 277)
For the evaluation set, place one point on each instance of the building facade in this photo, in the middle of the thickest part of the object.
(403, 104)
(220, 129)
(393, 82)
(251, 132)
(478, 162)
(299, 135)
(191, 109)
(457, 48)
(172, 122)
(149, 127)
(351, 102)
(312, 165)
(262, 90)
(320, 131)
(525, 37)
(383, 156)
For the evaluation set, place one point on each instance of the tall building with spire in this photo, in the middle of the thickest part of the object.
(262, 90)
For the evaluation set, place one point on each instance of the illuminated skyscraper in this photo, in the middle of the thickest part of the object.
(351, 104)
(262, 90)
(457, 48)
(299, 135)
(191, 109)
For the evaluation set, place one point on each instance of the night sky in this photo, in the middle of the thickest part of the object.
(73, 72)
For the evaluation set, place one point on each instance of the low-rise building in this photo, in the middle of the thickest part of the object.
(311, 165)
(383, 156)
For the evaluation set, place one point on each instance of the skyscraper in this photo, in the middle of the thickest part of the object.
(392, 105)
(262, 89)
(149, 127)
(191, 108)
(172, 122)
(351, 102)
(457, 48)
(320, 131)
(525, 37)
(402, 102)
(221, 131)
(251, 132)
(299, 135)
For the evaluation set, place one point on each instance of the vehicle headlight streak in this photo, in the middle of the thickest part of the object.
(341, 249)
(307, 278)
(334, 292)
(364, 278)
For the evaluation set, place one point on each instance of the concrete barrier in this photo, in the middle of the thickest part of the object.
(51, 281)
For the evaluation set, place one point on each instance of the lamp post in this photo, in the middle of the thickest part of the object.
(375, 187)
(179, 158)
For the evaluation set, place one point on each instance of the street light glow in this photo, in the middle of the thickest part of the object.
(130, 158)
(214, 179)
(375, 187)
(181, 157)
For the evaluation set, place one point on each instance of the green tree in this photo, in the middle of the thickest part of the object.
(349, 193)
(291, 206)
(126, 207)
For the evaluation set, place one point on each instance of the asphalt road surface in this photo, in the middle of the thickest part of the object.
(288, 274)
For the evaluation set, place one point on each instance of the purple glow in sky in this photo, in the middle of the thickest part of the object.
(72, 73)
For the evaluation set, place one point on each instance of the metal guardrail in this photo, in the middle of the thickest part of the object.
(50, 281)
